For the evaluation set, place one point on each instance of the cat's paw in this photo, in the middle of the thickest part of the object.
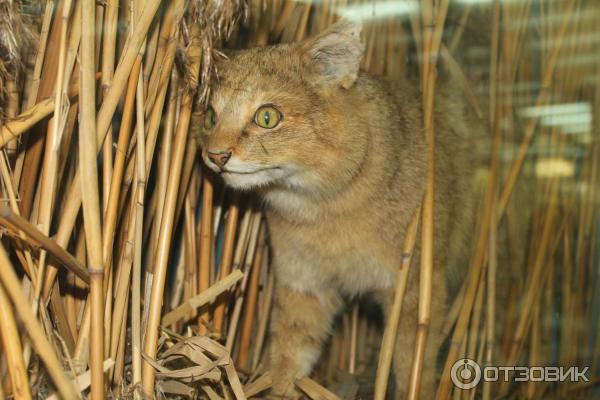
(283, 385)
(290, 394)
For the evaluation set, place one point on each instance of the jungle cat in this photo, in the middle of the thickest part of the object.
(339, 158)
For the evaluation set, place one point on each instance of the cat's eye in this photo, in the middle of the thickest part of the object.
(210, 118)
(267, 117)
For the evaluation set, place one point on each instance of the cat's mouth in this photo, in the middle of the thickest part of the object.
(246, 172)
(251, 178)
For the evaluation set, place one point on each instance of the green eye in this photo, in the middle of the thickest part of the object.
(267, 117)
(209, 118)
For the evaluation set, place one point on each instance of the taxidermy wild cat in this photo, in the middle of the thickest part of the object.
(340, 160)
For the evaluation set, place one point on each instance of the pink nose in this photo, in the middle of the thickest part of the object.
(219, 158)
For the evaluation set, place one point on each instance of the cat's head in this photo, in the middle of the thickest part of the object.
(270, 118)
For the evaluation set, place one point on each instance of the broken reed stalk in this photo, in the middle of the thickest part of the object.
(167, 222)
(90, 195)
(388, 341)
(203, 298)
(14, 128)
(10, 219)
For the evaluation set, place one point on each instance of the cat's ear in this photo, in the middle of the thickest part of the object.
(334, 56)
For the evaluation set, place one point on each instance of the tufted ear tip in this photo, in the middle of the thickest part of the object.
(335, 54)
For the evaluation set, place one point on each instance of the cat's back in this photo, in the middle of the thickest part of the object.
(400, 138)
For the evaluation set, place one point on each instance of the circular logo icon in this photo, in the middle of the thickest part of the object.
(465, 374)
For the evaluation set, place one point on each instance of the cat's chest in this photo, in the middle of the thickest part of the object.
(347, 253)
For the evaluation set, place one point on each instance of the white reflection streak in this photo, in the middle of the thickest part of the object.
(379, 9)
(569, 117)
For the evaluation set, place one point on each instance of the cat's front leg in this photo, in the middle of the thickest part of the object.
(300, 323)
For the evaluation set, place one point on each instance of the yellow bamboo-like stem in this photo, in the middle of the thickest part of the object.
(431, 43)
(71, 305)
(109, 37)
(12, 350)
(121, 291)
(90, 195)
(205, 246)
(391, 326)
(191, 276)
(164, 161)
(353, 339)
(136, 354)
(162, 254)
(120, 360)
(35, 331)
(151, 52)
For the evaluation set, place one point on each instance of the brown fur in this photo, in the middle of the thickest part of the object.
(341, 176)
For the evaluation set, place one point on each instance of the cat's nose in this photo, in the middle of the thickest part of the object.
(219, 158)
